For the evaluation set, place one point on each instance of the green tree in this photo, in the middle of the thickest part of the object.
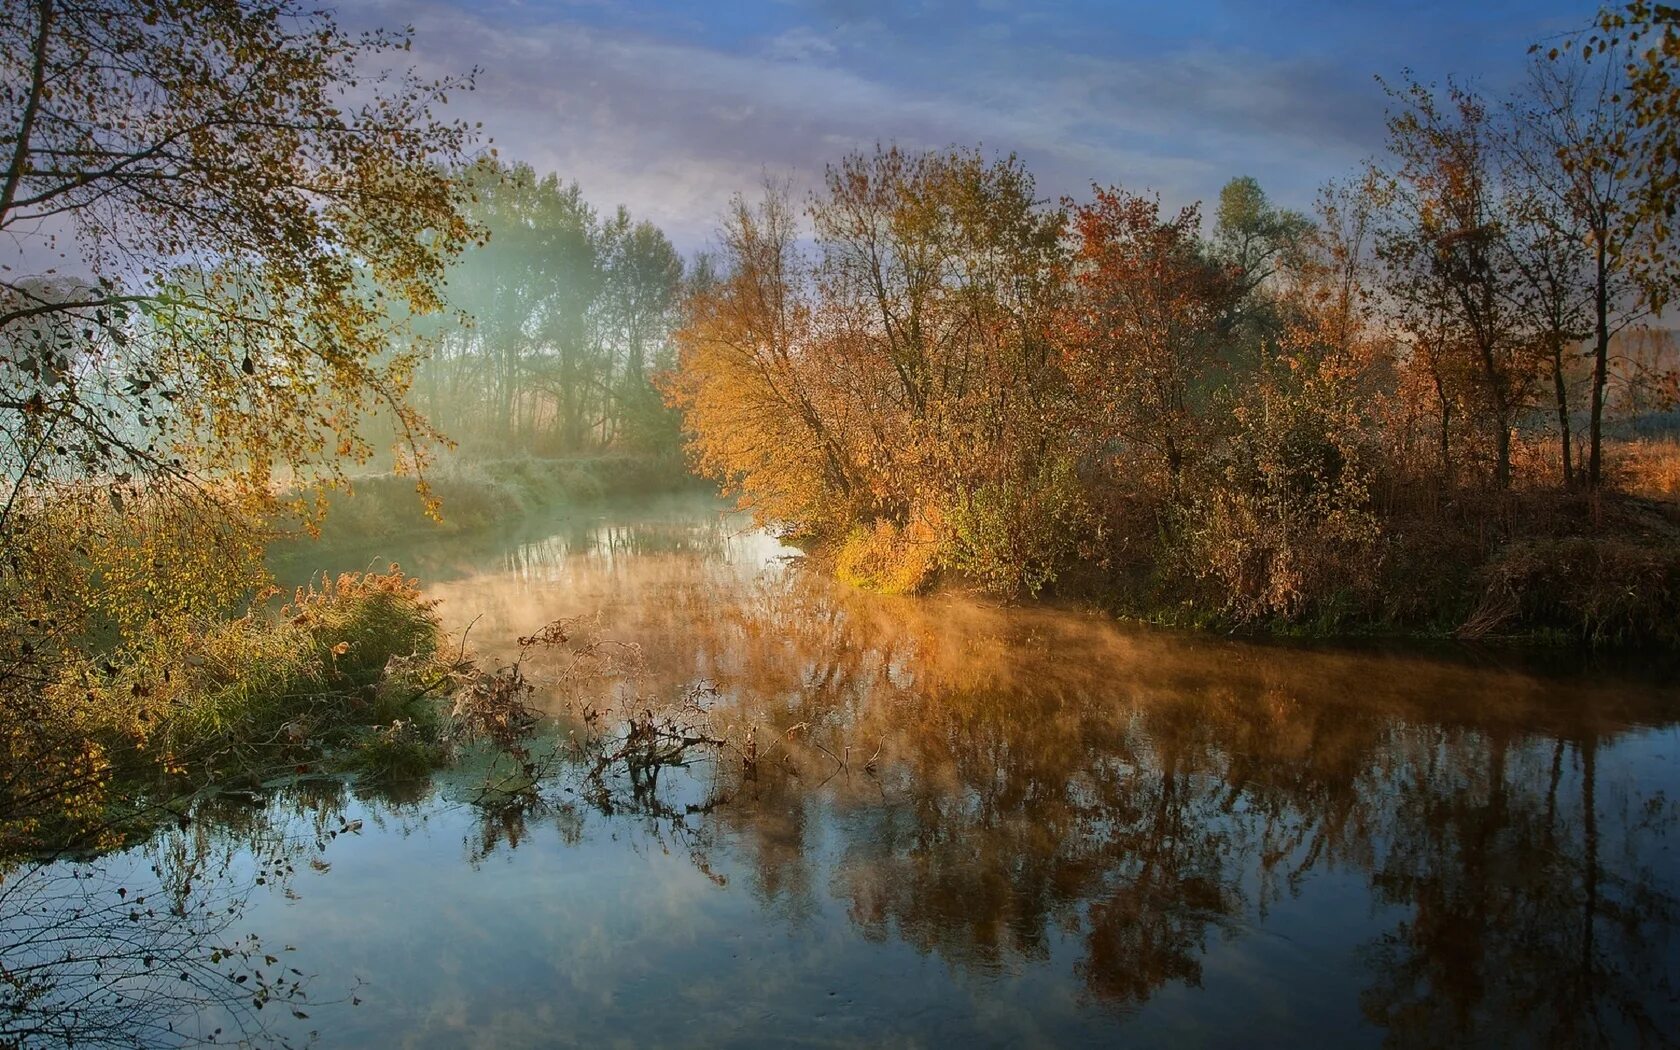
(1254, 238)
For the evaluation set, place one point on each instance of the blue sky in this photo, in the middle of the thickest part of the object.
(672, 107)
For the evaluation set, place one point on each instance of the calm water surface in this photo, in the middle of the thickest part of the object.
(967, 826)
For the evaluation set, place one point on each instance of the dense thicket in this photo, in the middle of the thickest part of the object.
(1366, 413)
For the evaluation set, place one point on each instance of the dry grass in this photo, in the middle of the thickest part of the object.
(1648, 467)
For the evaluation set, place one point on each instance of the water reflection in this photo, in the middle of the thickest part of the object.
(964, 822)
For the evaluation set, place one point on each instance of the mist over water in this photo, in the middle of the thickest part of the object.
(971, 824)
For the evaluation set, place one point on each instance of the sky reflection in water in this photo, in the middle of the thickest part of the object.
(992, 826)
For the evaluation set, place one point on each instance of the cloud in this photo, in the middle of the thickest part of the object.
(672, 115)
(800, 43)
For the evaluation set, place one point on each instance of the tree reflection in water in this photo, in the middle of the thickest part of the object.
(1001, 777)
(1001, 788)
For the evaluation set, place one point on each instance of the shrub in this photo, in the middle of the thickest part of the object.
(1016, 535)
(888, 558)
(1283, 526)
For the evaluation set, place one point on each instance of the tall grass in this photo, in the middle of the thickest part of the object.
(1647, 467)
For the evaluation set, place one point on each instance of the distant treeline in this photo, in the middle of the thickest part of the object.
(561, 316)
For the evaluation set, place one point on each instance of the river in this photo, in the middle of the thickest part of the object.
(962, 825)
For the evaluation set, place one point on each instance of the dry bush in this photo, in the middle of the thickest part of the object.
(1604, 591)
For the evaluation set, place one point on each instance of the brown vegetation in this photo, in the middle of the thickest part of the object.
(1364, 419)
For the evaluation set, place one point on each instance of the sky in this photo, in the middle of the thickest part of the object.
(671, 108)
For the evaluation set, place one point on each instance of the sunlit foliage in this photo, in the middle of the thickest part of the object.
(253, 201)
(932, 371)
(900, 375)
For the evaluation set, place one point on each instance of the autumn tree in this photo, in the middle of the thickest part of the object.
(1554, 258)
(224, 210)
(1608, 113)
(1447, 255)
(900, 382)
(764, 416)
(940, 273)
(241, 194)
(1142, 334)
(1643, 39)
(1280, 518)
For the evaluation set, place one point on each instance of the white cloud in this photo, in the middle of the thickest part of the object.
(673, 128)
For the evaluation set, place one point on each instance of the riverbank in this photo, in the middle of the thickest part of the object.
(1600, 571)
(351, 677)
(474, 495)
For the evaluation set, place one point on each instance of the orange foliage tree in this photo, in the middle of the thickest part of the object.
(896, 387)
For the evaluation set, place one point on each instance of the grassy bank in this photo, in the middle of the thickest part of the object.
(350, 677)
(474, 495)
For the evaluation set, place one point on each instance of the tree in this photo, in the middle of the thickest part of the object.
(255, 204)
(762, 417)
(240, 219)
(644, 277)
(1643, 39)
(1142, 335)
(561, 314)
(1615, 134)
(1446, 250)
(900, 382)
(1555, 258)
(1254, 238)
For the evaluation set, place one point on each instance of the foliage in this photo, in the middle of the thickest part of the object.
(244, 229)
(1284, 523)
(570, 314)
(899, 368)
(883, 557)
(1287, 523)
(1015, 535)
(1143, 337)
(247, 698)
(1295, 420)
(258, 205)
(1641, 42)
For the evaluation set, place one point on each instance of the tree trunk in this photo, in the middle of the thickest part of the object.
(1501, 417)
(1502, 451)
(1562, 393)
(1601, 368)
(1446, 429)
